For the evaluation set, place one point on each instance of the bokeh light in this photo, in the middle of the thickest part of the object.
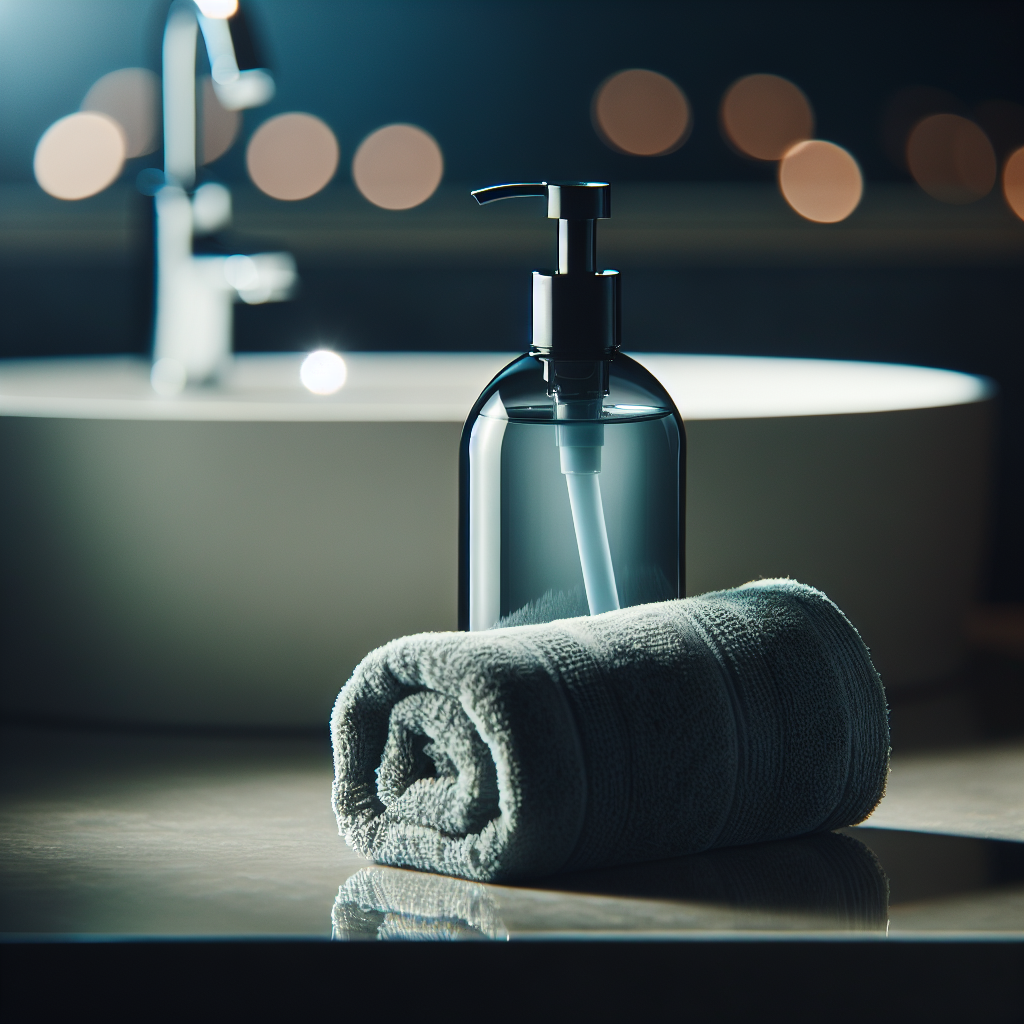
(398, 166)
(292, 156)
(764, 115)
(641, 112)
(219, 126)
(821, 181)
(323, 372)
(79, 155)
(1013, 182)
(951, 158)
(131, 96)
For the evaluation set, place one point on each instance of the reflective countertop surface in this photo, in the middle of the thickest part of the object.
(122, 834)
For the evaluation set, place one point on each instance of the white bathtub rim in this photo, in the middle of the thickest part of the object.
(442, 386)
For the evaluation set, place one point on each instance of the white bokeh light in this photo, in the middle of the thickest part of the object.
(323, 372)
(79, 155)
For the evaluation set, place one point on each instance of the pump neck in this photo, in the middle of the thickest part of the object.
(577, 246)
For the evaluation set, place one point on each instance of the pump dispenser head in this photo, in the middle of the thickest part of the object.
(575, 336)
(576, 308)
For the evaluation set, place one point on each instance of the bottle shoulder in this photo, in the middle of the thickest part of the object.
(629, 376)
(520, 392)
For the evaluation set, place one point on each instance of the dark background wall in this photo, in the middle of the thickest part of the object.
(505, 87)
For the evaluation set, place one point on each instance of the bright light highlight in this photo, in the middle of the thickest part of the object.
(323, 372)
(79, 155)
(821, 181)
(217, 8)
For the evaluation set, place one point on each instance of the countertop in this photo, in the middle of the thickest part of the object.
(133, 834)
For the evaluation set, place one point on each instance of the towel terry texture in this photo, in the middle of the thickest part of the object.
(739, 716)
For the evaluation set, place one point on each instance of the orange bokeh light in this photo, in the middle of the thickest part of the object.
(951, 158)
(641, 112)
(292, 156)
(398, 166)
(764, 115)
(1013, 182)
(821, 181)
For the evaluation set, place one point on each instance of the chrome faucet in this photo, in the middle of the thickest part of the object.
(192, 341)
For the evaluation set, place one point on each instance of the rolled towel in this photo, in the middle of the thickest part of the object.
(735, 717)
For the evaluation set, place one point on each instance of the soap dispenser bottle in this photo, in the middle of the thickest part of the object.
(572, 463)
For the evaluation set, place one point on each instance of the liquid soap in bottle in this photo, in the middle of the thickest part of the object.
(572, 463)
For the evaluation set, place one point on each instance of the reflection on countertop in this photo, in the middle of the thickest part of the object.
(148, 834)
(818, 883)
(883, 883)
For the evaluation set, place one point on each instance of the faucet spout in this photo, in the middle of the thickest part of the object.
(193, 328)
(179, 94)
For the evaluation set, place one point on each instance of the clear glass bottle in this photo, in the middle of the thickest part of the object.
(573, 458)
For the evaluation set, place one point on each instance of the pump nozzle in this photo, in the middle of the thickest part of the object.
(576, 308)
(576, 205)
(521, 191)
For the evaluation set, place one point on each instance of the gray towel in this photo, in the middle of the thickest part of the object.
(740, 716)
